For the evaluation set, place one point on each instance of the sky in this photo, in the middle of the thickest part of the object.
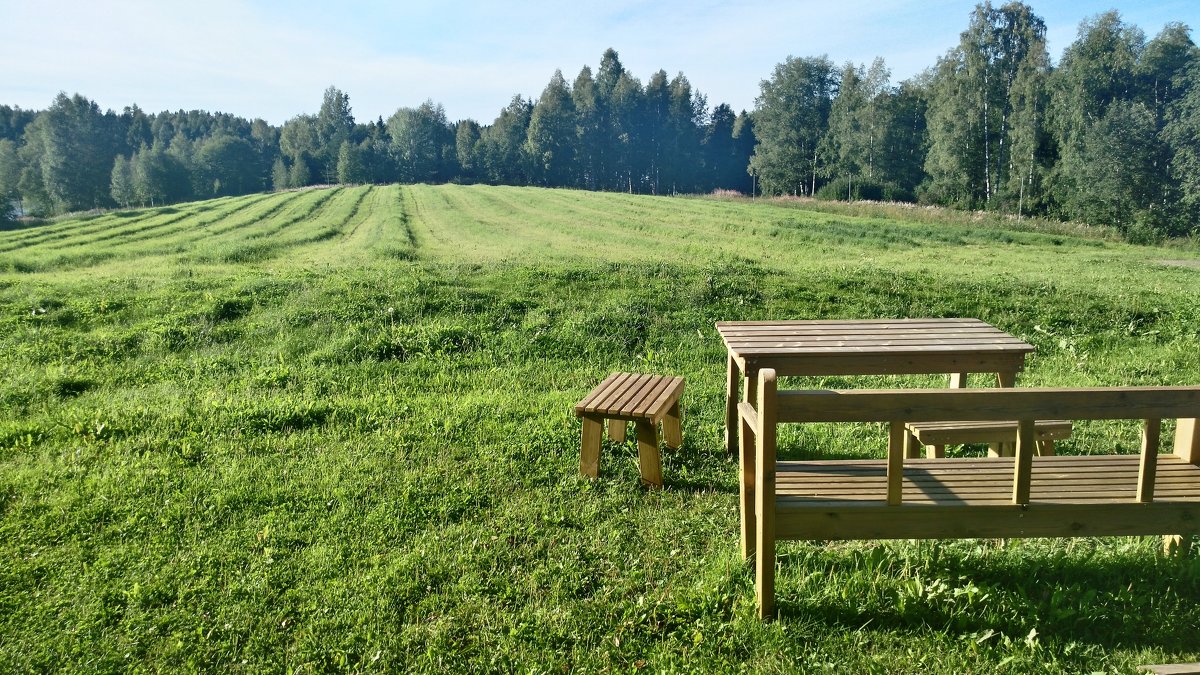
(273, 60)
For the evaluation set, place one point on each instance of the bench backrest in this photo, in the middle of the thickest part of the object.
(1151, 404)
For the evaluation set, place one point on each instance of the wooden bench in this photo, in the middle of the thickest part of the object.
(1021, 496)
(935, 436)
(644, 400)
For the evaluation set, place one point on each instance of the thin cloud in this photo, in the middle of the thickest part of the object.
(273, 60)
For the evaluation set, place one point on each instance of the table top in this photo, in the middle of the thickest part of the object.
(873, 346)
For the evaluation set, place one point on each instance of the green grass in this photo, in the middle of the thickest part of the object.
(331, 430)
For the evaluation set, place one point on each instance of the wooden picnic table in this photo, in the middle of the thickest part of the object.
(864, 347)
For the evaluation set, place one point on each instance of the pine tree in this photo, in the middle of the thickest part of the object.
(588, 130)
(550, 139)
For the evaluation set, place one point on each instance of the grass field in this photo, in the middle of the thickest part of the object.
(331, 430)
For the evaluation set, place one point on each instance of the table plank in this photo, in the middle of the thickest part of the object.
(819, 347)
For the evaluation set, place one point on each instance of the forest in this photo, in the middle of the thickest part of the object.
(1109, 135)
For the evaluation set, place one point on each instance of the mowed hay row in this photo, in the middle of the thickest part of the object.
(502, 223)
(169, 231)
(260, 239)
(159, 229)
(382, 225)
(75, 226)
(76, 231)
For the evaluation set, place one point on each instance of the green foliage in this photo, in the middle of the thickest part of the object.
(351, 167)
(551, 135)
(502, 148)
(844, 189)
(10, 171)
(121, 184)
(422, 143)
(1115, 175)
(228, 165)
(280, 178)
(76, 146)
(791, 119)
(334, 125)
(987, 109)
(1183, 133)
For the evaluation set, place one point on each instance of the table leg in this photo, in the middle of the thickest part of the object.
(750, 387)
(731, 401)
(1005, 379)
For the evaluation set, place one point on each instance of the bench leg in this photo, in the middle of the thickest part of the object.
(649, 461)
(589, 448)
(616, 430)
(673, 427)
(764, 556)
(935, 451)
(1045, 448)
(1177, 544)
(746, 483)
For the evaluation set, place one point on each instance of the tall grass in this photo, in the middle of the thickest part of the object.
(354, 450)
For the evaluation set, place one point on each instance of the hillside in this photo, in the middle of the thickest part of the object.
(331, 430)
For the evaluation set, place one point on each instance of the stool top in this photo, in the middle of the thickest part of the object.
(632, 396)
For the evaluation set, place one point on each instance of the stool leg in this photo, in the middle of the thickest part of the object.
(589, 448)
(673, 428)
(616, 430)
(648, 458)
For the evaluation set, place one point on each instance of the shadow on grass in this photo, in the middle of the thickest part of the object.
(22, 224)
(1113, 600)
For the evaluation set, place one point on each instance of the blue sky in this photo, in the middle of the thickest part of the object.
(273, 60)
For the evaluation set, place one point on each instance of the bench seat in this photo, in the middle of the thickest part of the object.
(968, 498)
(935, 436)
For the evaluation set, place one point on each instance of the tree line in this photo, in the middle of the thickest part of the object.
(603, 132)
(1110, 135)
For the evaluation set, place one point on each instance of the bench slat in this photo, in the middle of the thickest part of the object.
(949, 481)
(931, 405)
(631, 396)
(596, 392)
(1004, 519)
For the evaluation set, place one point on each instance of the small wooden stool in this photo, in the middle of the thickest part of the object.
(642, 399)
(935, 436)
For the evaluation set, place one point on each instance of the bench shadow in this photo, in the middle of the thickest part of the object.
(1055, 585)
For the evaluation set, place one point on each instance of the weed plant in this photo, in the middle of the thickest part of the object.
(331, 431)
